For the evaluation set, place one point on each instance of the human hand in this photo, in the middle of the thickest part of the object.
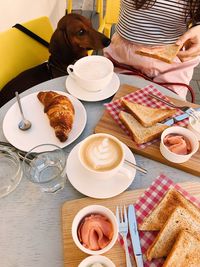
(191, 42)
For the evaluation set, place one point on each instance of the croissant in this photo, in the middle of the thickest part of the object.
(60, 112)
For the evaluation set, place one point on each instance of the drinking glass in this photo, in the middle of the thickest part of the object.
(44, 165)
(10, 170)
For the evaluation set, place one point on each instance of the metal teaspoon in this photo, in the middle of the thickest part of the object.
(24, 124)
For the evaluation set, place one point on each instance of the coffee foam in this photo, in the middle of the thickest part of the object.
(101, 153)
(93, 70)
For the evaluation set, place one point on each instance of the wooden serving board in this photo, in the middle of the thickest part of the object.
(72, 255)
(108, 125)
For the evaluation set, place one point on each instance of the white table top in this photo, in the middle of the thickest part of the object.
(30, 225)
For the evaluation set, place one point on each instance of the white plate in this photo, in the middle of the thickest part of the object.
(40, 132)
(85, 95)
(84, 183)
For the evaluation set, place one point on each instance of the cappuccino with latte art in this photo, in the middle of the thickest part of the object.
(101, 153)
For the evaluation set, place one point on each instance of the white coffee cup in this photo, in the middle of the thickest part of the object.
(103, 156)
(92, 73)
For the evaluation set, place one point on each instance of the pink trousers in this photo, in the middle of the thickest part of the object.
(123, 51)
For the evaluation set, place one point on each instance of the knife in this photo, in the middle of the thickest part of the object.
(135, 239)
(178, 118)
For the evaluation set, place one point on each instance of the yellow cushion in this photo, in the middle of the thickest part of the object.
(20, 52)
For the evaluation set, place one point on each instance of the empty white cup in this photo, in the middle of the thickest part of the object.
(92, 73)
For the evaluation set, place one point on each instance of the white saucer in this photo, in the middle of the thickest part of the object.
(85, 184)
(85, 95)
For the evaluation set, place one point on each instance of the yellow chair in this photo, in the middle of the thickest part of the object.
(111, 16)
(69, 6)
(99, 8)
(20, 52)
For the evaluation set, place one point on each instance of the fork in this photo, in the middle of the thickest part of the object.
(190, 111)
(122, 221)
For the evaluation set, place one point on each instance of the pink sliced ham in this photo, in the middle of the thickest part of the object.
(95, 232)
(177, 144)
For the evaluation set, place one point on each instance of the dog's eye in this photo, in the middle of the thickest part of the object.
(81, 32)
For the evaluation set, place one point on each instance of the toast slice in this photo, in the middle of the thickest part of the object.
(140, 133)
(162, 211)
(145, 115)
(179, 220)
(185, 252)
(165, 53)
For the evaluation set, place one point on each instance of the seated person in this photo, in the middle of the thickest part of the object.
(150, 23)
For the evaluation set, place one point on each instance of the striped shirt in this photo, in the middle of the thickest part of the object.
(163, 23)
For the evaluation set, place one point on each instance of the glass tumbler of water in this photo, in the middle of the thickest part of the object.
(44, 165)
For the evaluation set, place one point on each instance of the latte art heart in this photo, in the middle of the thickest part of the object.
(101, 153)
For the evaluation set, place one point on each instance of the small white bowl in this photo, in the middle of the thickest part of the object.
(173, 157)
(97, 259)
(86, 211)
(194, 126)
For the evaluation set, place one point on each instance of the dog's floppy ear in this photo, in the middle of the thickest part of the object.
(59, 45)
(64, 21)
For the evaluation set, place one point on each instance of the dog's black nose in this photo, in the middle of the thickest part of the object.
(106, 41)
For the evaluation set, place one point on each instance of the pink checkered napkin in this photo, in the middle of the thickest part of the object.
(141, 97)
(145, 205)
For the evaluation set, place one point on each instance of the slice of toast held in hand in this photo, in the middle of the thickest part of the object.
(179, 220)
(185, 252)
(158, 217)
(139, 133)
(145, 115)
(164, 53)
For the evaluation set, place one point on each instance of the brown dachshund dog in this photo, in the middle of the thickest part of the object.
(71, 40)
